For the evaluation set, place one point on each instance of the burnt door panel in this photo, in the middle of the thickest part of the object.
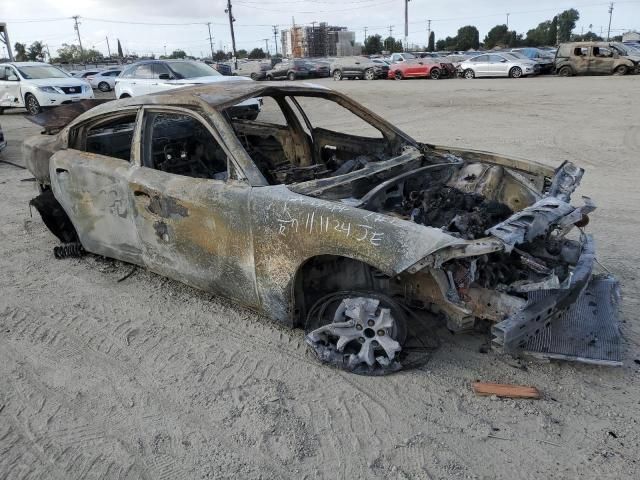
(93, 190)
(196, 231)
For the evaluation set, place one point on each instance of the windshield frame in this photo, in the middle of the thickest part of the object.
(44, 66)
(190, 64)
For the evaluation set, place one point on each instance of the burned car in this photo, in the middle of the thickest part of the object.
(322, 215)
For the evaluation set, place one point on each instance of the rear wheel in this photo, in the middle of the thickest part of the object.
(291, 76)
(254, 76)
(469, 74)
(32, 104)
(269, 77)
(337, 75)
(1, 110)
(515, 72)
(361, 332)
(621, 70)
(565, 71)
(398, 75)
(434, 73)
(125, 95)
(369, 74)
(104, 87)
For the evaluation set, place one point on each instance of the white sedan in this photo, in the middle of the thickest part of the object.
(497, 65)
(153, 76)
(35, 85)
(104, 81)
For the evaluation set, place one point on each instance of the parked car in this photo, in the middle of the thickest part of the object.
(318, 69)
(340, 229)
(152, 76)
(401, 57)
(421, 68)
(3, 141)
(496, 65)
(104, 81)
(35, 85)
(255, 70)
(358, 67)
(290, 69)
(223, 68)
(537, 68)
(544, 59)
(592, 58)
(83, 73)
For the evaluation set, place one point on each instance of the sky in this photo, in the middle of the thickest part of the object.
(151, 26)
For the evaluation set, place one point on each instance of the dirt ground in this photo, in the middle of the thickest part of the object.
(147, 378)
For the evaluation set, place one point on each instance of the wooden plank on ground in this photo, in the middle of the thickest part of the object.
(504, 390)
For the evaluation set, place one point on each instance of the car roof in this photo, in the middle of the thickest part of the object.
(28, 64)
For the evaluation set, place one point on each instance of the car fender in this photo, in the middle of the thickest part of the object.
(288, 229)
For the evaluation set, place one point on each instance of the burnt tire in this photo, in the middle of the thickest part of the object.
(435, 74)
(32, 105)
(104, 87)
(565, 71)
(369, 74)
(337, 75)
(398, 75)
(621, 70)
(291, 76)
(515, 72)
(372, 333)
(469, 74)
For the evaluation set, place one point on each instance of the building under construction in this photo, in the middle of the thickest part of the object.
(322, 40)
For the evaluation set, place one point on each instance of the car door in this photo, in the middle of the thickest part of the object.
(481, 66)
(498, 66)
(281, 69)
(143, 80)
(601, 60)
(191, 218)
(10, 95)
(90, 180)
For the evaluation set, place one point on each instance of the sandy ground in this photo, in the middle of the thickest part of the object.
(146, 378)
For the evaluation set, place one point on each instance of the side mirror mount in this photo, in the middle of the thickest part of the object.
(164, 76)
(504, 60)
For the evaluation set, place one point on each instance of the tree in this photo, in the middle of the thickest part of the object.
(566, 23)
(588, 37)
(257, 53)
(500, 36)
(540, 35)
(21, 52)
(468, 38)
(373, 44)
(242, 53)
(392, 45)
(178, 54)
(36, 52)
(552, 36)
(441, 45)
(72, 54)
(432, 41)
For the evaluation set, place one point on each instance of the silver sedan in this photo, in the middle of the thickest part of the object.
(497, 65)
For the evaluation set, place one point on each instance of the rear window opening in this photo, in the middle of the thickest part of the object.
(300, 138)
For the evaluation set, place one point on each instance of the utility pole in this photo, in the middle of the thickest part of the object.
(210, 39)
(48, 52)
(406, 24)
(108, 48)
(508, 20)
(77, 29)
(275, 38)
(391, 30)
(165, 50)
(428, 30)
(233, 36)
(610, 15)
(266, 46)
(365, 34)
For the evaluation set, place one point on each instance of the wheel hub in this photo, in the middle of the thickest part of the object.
(362, 332)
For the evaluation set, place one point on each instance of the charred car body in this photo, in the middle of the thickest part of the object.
(338, 232)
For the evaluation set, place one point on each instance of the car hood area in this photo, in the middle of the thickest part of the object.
(57, 82)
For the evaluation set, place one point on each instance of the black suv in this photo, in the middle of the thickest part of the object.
(289, 69)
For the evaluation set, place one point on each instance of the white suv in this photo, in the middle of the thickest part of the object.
(34, 85)
(157, 75)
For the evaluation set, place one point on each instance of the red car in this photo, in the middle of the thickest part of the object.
(420, 68)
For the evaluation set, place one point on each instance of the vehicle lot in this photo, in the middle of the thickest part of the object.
(149, 378)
